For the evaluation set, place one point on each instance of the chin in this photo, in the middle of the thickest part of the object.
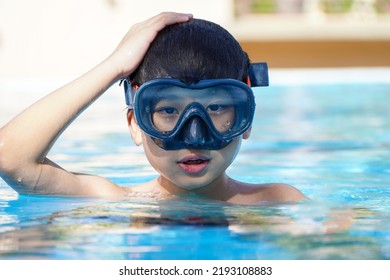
(196, 184)
(191, 187)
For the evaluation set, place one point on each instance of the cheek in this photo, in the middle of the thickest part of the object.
(230, 152)
(159, 158)
(151, 149)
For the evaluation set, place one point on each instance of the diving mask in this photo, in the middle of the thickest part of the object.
(206, 115)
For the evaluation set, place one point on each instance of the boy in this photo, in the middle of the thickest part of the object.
(188, 104)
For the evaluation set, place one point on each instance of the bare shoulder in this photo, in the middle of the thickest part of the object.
(270, 192)
(96, 186)
(280, 192)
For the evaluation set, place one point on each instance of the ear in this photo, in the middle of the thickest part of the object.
(247, 133)
(135, 130)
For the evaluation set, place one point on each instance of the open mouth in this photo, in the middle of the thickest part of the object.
(196, 161)
(193, 164)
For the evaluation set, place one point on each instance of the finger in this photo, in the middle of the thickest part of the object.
(160, 21)
(167, 18)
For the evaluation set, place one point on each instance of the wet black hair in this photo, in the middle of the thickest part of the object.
(193, 51)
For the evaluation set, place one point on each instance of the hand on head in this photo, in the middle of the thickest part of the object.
(131, 50)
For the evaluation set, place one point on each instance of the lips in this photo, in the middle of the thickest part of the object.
(194, 164)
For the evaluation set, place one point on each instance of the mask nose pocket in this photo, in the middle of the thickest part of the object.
(195, 132)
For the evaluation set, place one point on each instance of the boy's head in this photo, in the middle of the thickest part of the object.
(190, 104)
(190, 90)
(193, 51)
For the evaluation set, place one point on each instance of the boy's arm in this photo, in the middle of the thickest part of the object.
(26, 140)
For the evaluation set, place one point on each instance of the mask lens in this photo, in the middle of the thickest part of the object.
(166, 110)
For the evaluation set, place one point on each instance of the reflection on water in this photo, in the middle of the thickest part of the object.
(192, 228)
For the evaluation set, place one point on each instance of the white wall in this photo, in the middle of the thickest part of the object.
(44, 38)
(65, 38)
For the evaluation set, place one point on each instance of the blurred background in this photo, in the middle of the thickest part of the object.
(44, 38)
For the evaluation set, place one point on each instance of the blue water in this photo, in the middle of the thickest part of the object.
(332, 141)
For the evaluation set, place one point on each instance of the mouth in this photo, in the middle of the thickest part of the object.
(194, 164)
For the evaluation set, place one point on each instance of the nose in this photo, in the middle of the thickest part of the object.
(195, 132)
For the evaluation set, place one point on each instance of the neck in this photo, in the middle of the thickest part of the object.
(222, 188)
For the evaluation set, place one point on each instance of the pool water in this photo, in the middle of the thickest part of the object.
(329, 139)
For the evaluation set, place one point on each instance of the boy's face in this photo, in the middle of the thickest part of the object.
(185, 168)
(191, 133)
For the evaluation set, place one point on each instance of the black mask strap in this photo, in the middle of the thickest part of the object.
(258, 74)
